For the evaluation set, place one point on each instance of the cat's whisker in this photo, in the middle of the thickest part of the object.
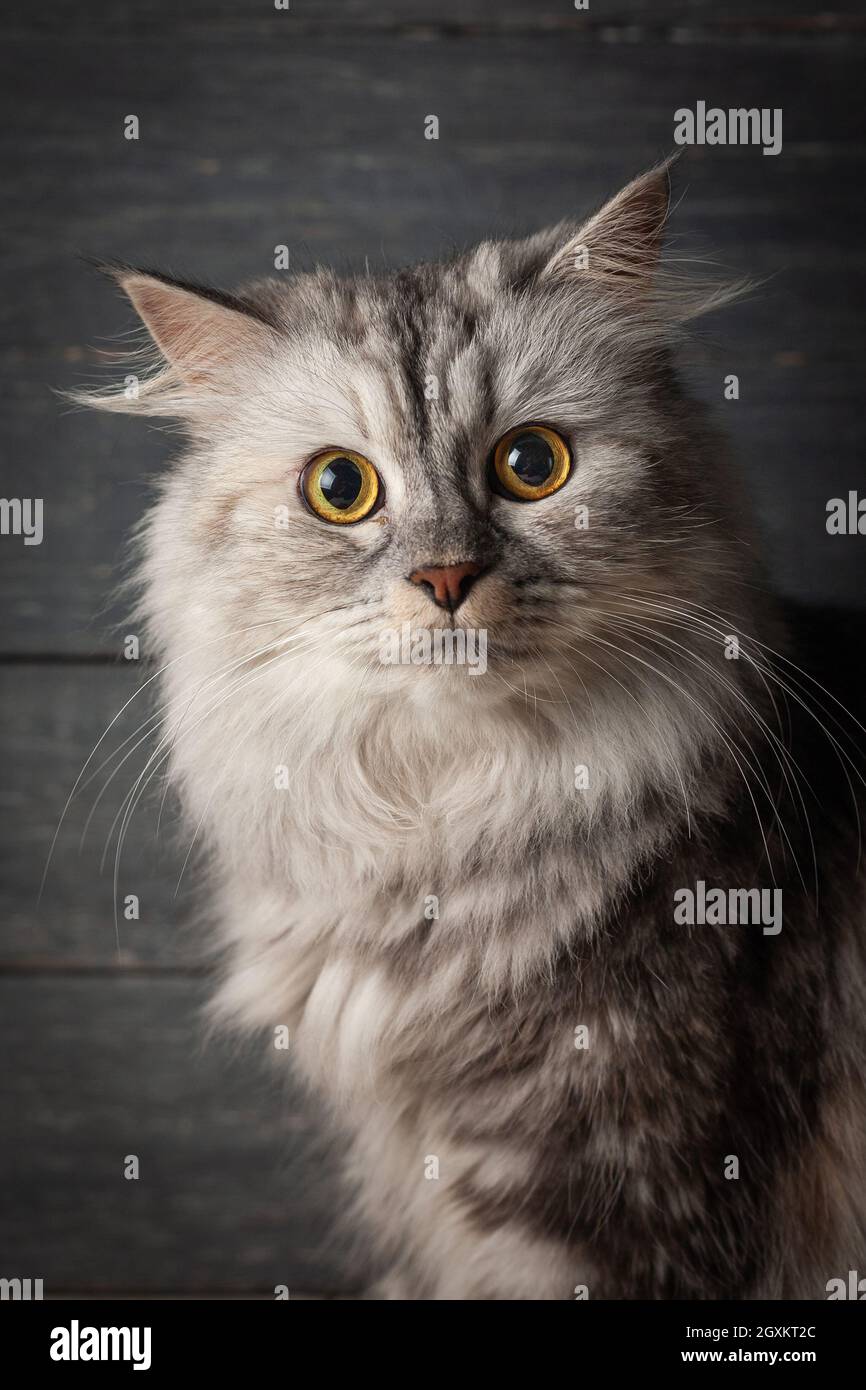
(275, 704)
(738, 693)
(148, 725)
(778, 749)
(805, 701)
(127, 809)
(280, 648)
(595, 640)
(776, 655)
(652, 722)
(299, 633)
(762, 783)
(155, 676)
(319, 641)
(583, 685)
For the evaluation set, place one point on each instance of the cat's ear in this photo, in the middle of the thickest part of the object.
(619, 246)
(198, 331)
(206, 341)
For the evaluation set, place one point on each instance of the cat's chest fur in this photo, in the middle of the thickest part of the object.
(497, 988)
(380, 990)
(400, 900)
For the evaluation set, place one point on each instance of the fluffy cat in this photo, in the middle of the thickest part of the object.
(458, 888)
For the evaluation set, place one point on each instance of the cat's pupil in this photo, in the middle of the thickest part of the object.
(531, 457)
(340, 483)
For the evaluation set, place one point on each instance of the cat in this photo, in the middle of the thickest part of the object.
(457, 889)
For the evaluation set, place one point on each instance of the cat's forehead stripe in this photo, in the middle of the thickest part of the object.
(409, 324)
(422, 327)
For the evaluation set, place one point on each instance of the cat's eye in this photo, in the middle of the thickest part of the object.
(530, 462)
(341, 486)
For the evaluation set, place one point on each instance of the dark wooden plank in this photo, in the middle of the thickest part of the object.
(429, 16)
(237, 1189)
(318, 143)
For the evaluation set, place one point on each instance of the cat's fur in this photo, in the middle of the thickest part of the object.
(452, 1037)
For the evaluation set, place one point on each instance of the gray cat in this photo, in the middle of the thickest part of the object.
(556, 933)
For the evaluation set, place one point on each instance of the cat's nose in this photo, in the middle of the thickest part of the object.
(448, 584)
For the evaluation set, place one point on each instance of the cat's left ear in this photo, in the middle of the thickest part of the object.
(210, 347)
(620, 245)
(199, 331)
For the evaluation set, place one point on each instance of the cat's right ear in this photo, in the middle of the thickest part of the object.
(620, 245)
(618, 250)
(206, 340)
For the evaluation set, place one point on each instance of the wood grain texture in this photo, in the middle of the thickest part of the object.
(435, 18)
(237, 1190)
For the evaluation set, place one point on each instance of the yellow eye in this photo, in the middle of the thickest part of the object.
(530, 462)
(341, 486)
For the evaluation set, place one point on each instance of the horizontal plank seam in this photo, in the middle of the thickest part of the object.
(826, 29)
(109, 1293)
(102, 969)
(58, 658)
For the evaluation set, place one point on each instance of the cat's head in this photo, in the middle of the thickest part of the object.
(496, 443)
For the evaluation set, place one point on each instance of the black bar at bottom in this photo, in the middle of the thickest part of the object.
(162, 1338)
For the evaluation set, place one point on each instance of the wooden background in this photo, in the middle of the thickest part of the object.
(305, 127)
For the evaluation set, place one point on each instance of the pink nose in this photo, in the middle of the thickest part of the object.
(449, 584)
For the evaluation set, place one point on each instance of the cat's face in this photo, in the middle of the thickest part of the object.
(493, 445)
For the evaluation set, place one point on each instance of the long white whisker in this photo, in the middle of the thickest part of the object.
(156, 674)
(647, 716)
(778, 749)
(722, 735)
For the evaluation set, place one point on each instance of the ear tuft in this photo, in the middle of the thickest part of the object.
(204, 338)
(198, 331)
(620, 245)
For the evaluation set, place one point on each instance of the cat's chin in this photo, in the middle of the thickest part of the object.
(445, 687)
(500, 676)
